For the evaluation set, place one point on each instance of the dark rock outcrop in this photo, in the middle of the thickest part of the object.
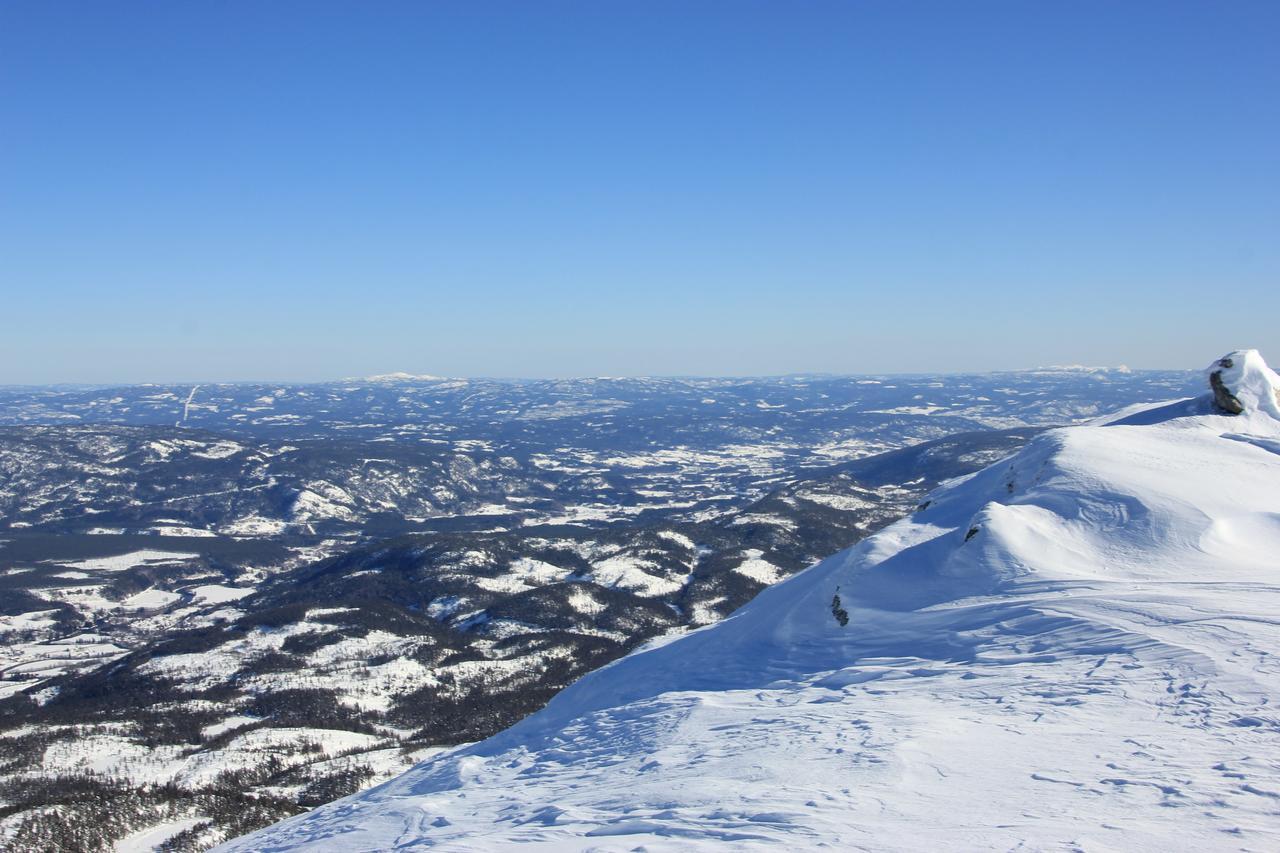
(1222, 396)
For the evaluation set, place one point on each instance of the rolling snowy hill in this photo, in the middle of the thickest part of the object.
(1074, 648)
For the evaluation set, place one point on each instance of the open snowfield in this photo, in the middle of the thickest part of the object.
(1073, 649)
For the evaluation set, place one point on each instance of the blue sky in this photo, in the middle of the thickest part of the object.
(234, 190)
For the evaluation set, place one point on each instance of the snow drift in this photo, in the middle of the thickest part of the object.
(1076, 647)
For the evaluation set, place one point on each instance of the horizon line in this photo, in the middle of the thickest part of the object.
(426, 379)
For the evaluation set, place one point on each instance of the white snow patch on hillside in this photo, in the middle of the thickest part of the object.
(505, 584)
(445, 606)
(847, 503)
(149, 839)
(235, 721)
(253, 525)
(632, 574)
(27, 664)
(581, 600)
(678, 538)
(313, 612)
(756, 568)
(764, 518)
(322, 500)
(34, 620)
(124, 562)
(217, 594)
(530, 572)
(218, 450)
(150, 599)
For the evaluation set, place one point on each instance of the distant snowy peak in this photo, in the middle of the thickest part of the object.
(403, 377)
(1080, 368)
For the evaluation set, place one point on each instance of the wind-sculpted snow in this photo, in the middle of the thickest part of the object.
(1073, 649)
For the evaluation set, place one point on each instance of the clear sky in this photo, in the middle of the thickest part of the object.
(307, 190)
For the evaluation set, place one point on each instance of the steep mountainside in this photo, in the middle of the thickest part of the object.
(1074, 648)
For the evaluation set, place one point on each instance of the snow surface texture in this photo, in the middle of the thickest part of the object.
(1073, 649)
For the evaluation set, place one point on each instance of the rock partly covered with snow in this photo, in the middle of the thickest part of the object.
(1242, 382)
(1074, 648)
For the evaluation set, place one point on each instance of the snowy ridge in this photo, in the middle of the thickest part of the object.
(1073, 648)
(401, 376)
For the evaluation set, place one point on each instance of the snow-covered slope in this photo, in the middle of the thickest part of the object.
(1075, 648)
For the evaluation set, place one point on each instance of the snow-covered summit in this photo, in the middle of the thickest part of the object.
(401, 376)
(1075, 648)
